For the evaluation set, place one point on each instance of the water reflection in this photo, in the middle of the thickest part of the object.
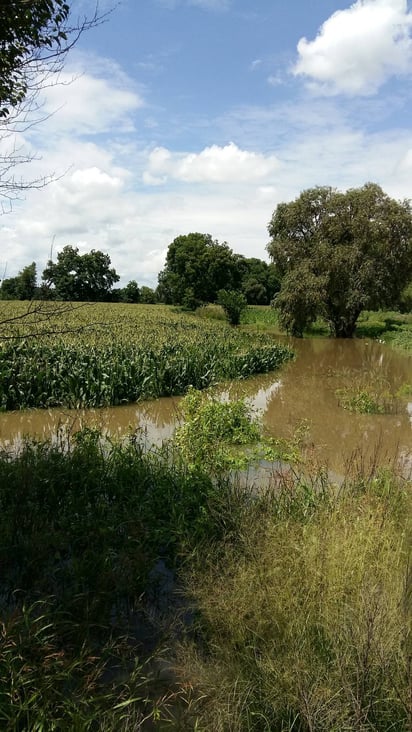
(303, 390)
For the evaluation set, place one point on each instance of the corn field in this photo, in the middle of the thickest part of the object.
(109, 354)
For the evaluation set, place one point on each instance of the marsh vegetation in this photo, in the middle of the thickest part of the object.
(158, 589)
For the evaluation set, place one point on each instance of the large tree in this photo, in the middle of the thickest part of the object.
(81, 277)
(197, 267)
(339, 253)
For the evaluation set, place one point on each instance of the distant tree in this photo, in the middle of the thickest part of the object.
(21, 287)
(259, 281)
(131, 293)
(197, 267)
(82, 277)
(148, 296)
(233, 303)
(339, 253)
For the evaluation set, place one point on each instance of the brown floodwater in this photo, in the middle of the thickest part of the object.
(302, 391)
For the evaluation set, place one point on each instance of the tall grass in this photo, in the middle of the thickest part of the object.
(82, 526)
(306, 623)
(290, 606)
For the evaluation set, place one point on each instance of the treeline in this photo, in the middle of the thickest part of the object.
(197, 268)
(333, 254)
(75, 277)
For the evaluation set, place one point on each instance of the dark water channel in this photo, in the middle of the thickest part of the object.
(303, 390)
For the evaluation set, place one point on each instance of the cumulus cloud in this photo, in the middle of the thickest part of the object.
(214, 164)
(358, 49)
(91, 103)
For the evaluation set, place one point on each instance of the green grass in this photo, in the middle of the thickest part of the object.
(390, 327)
(82, 524)
(299, 593)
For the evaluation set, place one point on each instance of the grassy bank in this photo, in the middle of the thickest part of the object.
(389, 327)
(151, 591)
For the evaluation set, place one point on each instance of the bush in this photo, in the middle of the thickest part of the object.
(233, 303)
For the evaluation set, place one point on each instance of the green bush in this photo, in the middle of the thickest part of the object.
(233, 303)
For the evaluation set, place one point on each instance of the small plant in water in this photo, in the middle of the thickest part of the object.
(220, 435)
(360, 400)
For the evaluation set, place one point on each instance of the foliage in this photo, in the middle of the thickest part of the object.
(305, 619)
(123, 353)
(260, 281)
(218, 436)
(340, 253)
(81, 277)
(197, 267)
(82, 523)
(405, 302)
(233, 303)
(213, 431)
(148, 296)
(363, 401)
(35, 38)
(131, 292)
(22, 287)
(27, 29)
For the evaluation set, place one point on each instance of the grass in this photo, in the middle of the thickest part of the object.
(390, 327)
(82, 525)
(290, 607)
(306, 624)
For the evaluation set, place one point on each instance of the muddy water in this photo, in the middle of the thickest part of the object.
(303, 390)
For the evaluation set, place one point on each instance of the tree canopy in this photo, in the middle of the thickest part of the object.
(28, 28)
(35, 37)
(339, 253)
(21, 287)
(82, 277)
(198, 267)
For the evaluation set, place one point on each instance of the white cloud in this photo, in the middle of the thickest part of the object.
(255, 64)
(214, 164)
(91, 103)
(358, 49)
(211, 4)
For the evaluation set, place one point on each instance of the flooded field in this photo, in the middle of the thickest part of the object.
(307, 390)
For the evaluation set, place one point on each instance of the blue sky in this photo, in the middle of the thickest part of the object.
(203, 115)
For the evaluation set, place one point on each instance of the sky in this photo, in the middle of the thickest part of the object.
(177, 116)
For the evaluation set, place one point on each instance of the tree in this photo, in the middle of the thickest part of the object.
(22, 287)
(131, 293)
(148, 296)
(28, 31)
(87, 277)
(197, 267)
(339, 253)
(233, 303)
(35, 37)
(259, 281)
